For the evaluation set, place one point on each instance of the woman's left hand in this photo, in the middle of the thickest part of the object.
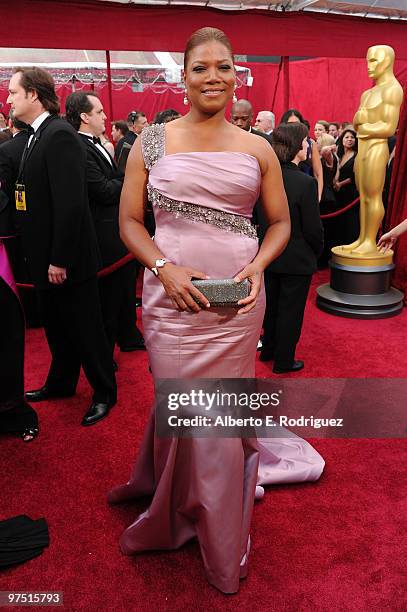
(254, 275)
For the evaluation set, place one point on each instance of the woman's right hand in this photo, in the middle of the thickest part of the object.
(387, 241)
(177, 283)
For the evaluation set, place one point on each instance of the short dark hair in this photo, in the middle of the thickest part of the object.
(122, 126)
(287, 140)
(133, 116)
(335, 123)
(166, 115)
(5, 135)
(291, 112)
(77, 103)
(324, 123)
(39, 80)
(206, 35)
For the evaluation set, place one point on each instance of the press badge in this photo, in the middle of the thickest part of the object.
(20, 197)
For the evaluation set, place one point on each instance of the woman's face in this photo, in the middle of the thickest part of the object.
(348, 141)
(3, 123)
(293, 119)
(319, 130)
(302, 154)
(210, 77)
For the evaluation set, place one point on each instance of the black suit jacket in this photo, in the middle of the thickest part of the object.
(57, 227)
(105, 184)
(10, 157)
(258, 133)
(306, 240)
(128, 140)
(258, 217)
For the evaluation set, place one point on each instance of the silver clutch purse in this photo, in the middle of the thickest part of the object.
(223, 292)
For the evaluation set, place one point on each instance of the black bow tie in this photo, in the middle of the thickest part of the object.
(30, 129)
(96, 140)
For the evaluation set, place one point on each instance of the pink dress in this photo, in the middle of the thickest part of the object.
(204, 487)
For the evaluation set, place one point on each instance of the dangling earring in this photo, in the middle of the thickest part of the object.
(186, 101)
(234, 99)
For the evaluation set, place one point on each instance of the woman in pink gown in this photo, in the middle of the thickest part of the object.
(203, 176)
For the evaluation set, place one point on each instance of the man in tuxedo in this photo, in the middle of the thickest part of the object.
(10, 157)
(60, 245)
(265, 122)
(119, 131)
(242, 117)
(85, 113)
(15, 414)
(136, 122)
(333, 130)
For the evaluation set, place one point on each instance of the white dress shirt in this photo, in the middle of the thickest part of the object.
(36, 124)
(99, 147)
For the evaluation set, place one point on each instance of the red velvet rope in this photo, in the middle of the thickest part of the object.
(341, 210)
(104, 272)
(129, 257)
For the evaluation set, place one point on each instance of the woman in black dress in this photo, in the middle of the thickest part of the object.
(345, 186)
(327, 149)
(287, 279)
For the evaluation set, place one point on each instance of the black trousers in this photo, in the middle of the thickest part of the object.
(118, 301)
(73, 324)
(15, 414)
(286, 296)
(28, 297)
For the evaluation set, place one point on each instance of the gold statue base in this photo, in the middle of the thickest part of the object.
(345, 257)
(360, 287)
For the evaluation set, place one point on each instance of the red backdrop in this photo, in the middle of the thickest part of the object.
(397, 207)
(321, 88)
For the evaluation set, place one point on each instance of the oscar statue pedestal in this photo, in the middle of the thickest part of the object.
(360, 286)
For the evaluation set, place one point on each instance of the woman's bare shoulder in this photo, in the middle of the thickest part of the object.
(258, 147)
(252, 143)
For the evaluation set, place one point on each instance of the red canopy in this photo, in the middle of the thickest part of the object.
(94, 25)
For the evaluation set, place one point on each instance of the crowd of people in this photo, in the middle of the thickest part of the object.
(254, 195)
(327, 159)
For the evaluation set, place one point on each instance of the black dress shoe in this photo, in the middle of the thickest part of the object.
(296, 367)
(96, 412)
(40, 395)
(266, 355)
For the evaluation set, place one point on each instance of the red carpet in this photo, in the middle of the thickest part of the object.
(335, 545)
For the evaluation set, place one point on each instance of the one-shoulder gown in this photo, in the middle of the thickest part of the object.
(204, 487)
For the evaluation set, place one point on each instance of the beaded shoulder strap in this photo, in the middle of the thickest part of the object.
(153, 144)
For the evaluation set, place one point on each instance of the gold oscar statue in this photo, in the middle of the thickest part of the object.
(375, 121)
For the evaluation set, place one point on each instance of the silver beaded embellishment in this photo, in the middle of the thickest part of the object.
(202, 214)
(153, 144)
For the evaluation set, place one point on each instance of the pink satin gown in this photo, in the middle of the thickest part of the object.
(204, 487)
